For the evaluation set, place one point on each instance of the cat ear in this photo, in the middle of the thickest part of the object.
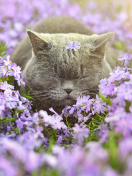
(99, 42)
(38, 43)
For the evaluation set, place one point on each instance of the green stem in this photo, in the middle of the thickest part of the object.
(19, 132)
(7, 120)
(82, 105)
(67, 120)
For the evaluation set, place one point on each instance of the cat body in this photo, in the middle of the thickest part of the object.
(56, 75)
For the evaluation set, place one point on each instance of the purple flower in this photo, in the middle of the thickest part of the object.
(11, 11)
(35, 118)
(18, 26)
(82, 100)
(19, 123)
(84, 103)
(59, 140)
(17, 70)
(54, 120)
(4, 85)
(32, 161)
(103, 133)
(124, 91)
(73, 46)
(107, 89)
(31, 140)
(99, 106)
(7, 168)
(7, 61)
(110, 172)
(125, 58)
(80, 133)
(3, 71)
(96, 152)
(50, 160)
(65, 111)
(118, 74)
(125, 147)
(124, 126)
(14, 148)
(115, 116)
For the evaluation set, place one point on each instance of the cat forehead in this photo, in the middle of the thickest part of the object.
(65, 38)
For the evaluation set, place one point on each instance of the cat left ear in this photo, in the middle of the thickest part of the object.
(38, 43)
(99, 42)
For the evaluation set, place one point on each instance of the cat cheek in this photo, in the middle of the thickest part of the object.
(51, 85)
(83, 83)
(76, 93)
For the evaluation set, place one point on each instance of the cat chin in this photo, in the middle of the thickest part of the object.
(57, 104)
(60, 105)
(65, 101)
(69, 101)
(67, 97)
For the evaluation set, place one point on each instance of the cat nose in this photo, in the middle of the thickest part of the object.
(68, 91)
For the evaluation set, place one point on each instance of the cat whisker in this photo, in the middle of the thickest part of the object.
(85, 89)
(93, 90)
(35, 92)
(41, 96)
(45, 98)
(90, 90)
(88, 93)
(39, 93)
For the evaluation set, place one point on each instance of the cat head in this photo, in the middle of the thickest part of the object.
(58, 75)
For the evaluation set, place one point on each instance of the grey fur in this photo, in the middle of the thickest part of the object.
(58, 76)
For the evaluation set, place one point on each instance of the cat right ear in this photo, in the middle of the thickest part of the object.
(99, 42)
(38, 43)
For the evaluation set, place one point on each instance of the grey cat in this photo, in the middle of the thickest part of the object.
(58, 76)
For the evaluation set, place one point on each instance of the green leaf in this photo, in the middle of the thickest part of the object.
(107, 100)
(82, 105)
(113, 151)
(1, 55)
(51, 143)
(8, 119)
(128, 104)
(119, 45)
(43, 172)
(51, 173)
(54, 134)
(3, 47)
(26, 95)
(19, 132)
(17, 111)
